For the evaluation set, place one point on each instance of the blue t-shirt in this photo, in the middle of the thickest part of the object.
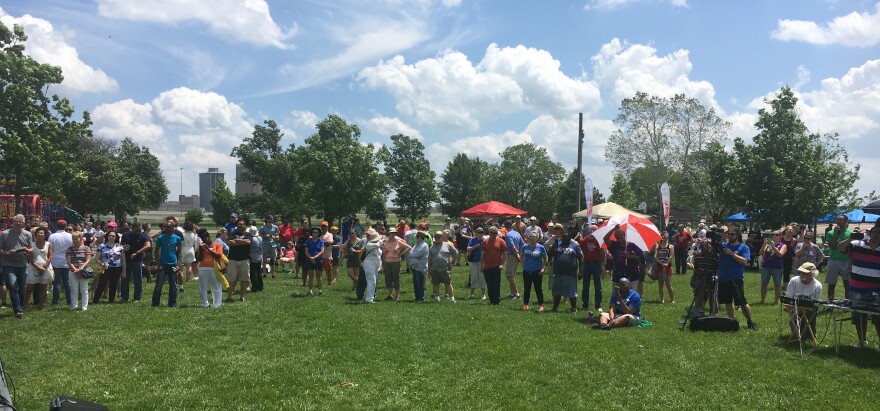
(514, 241)
(728, 267)
(168, 248)
(271, 231)
(633, 300)
(475, 254)
(314, 248)
(533, 257)
(335, 251)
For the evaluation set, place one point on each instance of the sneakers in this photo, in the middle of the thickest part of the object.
(320, 292)
(482, 299)
(753, 326)
(470, 297)
(516, 297)
(181, 289)
(310, 293)
(525, 307)
(541, 309)
(574, 310)
(437, 298)
(861, 344)
(452, 299)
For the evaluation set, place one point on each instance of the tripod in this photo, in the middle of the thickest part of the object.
(705, 293)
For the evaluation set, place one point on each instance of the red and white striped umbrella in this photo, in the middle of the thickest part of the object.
(639, 231)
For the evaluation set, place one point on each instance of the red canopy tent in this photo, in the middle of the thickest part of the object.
(493, 209)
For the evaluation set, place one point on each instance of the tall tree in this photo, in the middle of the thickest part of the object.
(713, 186)
(224, 203)
(411, 177)
(567, 202)
(621, 193)
(339, 173)
(462, 184)
(598, 198)
(645, 185)
(36, 130)
(790, 174)
(526, 178)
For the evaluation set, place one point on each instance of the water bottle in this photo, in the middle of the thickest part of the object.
(590, 317)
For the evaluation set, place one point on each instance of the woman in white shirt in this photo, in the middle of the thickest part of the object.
(40, 268)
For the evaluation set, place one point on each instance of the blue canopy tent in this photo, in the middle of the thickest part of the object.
(739, 218)
(855, 216)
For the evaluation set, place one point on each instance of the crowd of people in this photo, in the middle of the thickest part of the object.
(240, 255)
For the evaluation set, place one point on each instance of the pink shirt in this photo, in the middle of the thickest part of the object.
(392, 247)
(328, 245)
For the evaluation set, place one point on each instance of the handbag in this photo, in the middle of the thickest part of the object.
(87, 273)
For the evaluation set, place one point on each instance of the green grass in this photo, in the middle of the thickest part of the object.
(282, 350)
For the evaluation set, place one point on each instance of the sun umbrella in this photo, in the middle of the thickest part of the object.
(873, 207)
(639, 231)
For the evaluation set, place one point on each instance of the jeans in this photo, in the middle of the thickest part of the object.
(168, 270)
(61, 279)
(418, 278)
(592, 269)
(134, 270)
(256, 271)
(681, 255)
(493, 284)
(16, 277)
(529, 278)
(361, 284)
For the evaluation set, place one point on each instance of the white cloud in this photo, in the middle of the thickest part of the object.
(613, 4)
(849, 105)
(48, 46)
(852, 30)
(628, 68)
(247, 21)
(387, 126)
(451, 3)
(126, 118)
(450, 92)
(204, 113)
(305, 119)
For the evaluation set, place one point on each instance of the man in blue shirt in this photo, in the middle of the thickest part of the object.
(269, 235)
(170, 248)
(515, 244)
(735, 257)
(626, 307)
(232, 224)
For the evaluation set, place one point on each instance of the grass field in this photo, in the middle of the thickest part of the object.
(283, 350)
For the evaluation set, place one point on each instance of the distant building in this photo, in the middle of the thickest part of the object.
(207, 182)
(189, 202)
(242, 186)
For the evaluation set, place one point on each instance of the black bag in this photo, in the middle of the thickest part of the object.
(714, 323)
(74, 404)
(87, 273)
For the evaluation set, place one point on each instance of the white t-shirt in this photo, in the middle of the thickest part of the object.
(61, 241)
(797, 288)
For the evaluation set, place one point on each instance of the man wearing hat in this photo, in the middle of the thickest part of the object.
(533, 228)
(232, 224)
(519, 226)
(625, 309)
(805, 285)
(439, 266)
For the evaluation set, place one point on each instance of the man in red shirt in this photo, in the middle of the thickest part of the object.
(402, 228)
(594, 259)
(492, 254)
(682, 240)
(285, 234)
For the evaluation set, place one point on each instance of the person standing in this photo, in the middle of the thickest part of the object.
(682, 242)
(208, 253)
(534, 257)
(838, 261)
(492, 253)
(663, 253)
(418, 261)
(773, 251)
(353, 246)
(864, 283)
(534, 228)
(269, 235)
(478, 279)
(336, 250)
(190, 246)
(790, 239)
(392, 249)
(808, 252)
(327, 256)
(169, 246)
(515, 244)
(257, 250)
(594, 261)
(371, 262)
(111, 256)
(626, 257)
(239, 266)
(463, 235)
(300, 237)
(315, 253)
(440, 265)
(732, 264)
(232, 223)
(137, 245)
(15, 246)
(39, 270)
(566, 260)
(78, 257)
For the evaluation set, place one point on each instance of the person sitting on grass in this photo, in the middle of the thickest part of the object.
(625, 309)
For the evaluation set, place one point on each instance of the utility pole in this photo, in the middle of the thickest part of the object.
(580, 173)
(180, 202)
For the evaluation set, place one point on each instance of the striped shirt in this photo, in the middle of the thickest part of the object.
(78, 255)
(865, 275)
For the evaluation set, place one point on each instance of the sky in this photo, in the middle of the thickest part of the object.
(190, 79)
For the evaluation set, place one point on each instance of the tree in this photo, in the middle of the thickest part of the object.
(567, 202)
(527, 179)
(789, 174)
(598, 198)
(713, 184)
(194, 216)
(621, 193)
(462, 184)
(224, 203)
(339, 173)
(376, 209)
(662, 134)
(645, 185)
(36, 130)
(413, 181)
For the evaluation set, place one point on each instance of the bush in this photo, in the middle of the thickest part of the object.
(194, 216)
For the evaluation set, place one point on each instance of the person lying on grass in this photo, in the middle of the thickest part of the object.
(625, 310)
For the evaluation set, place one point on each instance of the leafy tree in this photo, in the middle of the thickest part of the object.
(645, 184)
(598, 198)
(413, 181)
(36, 130)
(567, 202)
(339, 173)
(621, 193)
(789, 174)
(376, 209)
(224, 203)
(527, 179)
(712, 186)
(194, 216)
(462, 185)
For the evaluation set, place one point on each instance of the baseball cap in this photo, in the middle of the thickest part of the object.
(392, 230)
(324, 223)
(532, 218)
(62, 221)
(518, 216)
(438, 233)
(234, 215)
(334, 228)
(111, 224)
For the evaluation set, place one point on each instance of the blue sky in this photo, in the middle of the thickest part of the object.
(190, 78)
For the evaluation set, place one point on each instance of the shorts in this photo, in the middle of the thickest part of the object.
(238, 270)
(313, 265)
(663, 275)
(327, 264)
(836, 268)
(268, 252)
(462, 247)
(566, 286)
(478, 279)
(766, 273)
(510, 265)
(867, 298)
(353, 260)
(188, 257)
(438, 277)
(731, 292)
(633, 320)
